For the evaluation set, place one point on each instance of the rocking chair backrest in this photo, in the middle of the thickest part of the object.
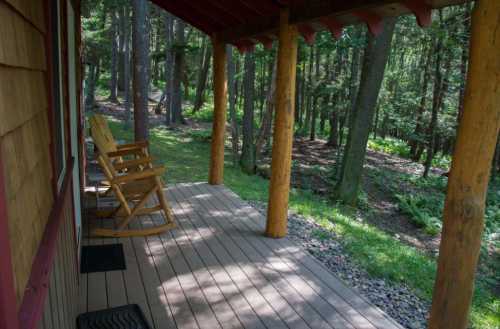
(103, 148)
(101, 134)
(103, 124)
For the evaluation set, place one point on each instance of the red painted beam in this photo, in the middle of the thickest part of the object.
(261, 7)
(32, 306)
(307, 32)
(421, 10)
(266, 41)
(244, 46)
(373, 21)
(334, 26)
(216, 15)
(8, 302)
(179, 9)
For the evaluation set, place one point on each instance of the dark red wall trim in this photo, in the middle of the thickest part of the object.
(32, 307)
(8, 302)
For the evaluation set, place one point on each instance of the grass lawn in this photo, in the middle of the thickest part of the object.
(186, 158)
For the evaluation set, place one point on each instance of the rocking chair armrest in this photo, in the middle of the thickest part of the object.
(133, 163)
(124, 152)
(135, 145)
(147, 173)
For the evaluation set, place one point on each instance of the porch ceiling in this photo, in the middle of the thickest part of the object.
(244, 22)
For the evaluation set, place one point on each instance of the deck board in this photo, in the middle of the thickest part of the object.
(217, 270)
(308, 265)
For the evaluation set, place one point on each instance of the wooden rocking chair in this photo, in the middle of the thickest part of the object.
(118, 154)
(133, 190)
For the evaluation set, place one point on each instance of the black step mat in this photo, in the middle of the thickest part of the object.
(122, 317)
(102, 258)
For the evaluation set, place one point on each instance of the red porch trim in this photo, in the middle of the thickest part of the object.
(8, 301)
(32, 306)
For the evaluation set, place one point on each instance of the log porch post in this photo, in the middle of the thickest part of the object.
(277, 217)
(216, 174)
(463, 220)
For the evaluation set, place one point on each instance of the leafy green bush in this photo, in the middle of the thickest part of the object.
(442, 161)
(423, 210)
(204, 114)
(390, 146)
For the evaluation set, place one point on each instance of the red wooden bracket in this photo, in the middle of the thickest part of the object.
(266, 41)
(244, 46)
(421, 10)
(373, 21)
(334, 26)
(307, 33)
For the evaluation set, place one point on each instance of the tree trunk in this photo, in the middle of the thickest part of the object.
(298, 90)
(247, 160)
(375, 59)
(464, 60)
(122, 21)
(314, 114)
(140, 50)
(177, 117)
(169, 63)
(303, 91)
(267, 119)
(126, 66)
(416, 139)
(333, 136)
(354, 78)
(114, 58)
(232, 105)
(309, 92)
(92, 77)
(440, 86)
(334, 129)
(202, 77)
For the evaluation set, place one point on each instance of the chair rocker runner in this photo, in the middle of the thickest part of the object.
(133, 191)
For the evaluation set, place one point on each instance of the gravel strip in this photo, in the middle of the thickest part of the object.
(396, 300)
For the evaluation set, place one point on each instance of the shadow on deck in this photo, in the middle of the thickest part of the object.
(217, 270)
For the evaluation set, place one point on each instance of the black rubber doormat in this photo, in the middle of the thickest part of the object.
(122, 317)
(103, 258)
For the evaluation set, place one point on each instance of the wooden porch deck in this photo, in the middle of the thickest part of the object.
(217, 270)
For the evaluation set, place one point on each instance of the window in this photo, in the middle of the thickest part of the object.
(58, 133)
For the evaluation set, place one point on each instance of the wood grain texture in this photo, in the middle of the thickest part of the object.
(21, 44)
(32, 11)
(216, 172)
(24, 131)
(216, 270)
(283, 129)
(463, 221)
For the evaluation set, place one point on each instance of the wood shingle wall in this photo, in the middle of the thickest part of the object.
(24, 131)
(25, 143)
